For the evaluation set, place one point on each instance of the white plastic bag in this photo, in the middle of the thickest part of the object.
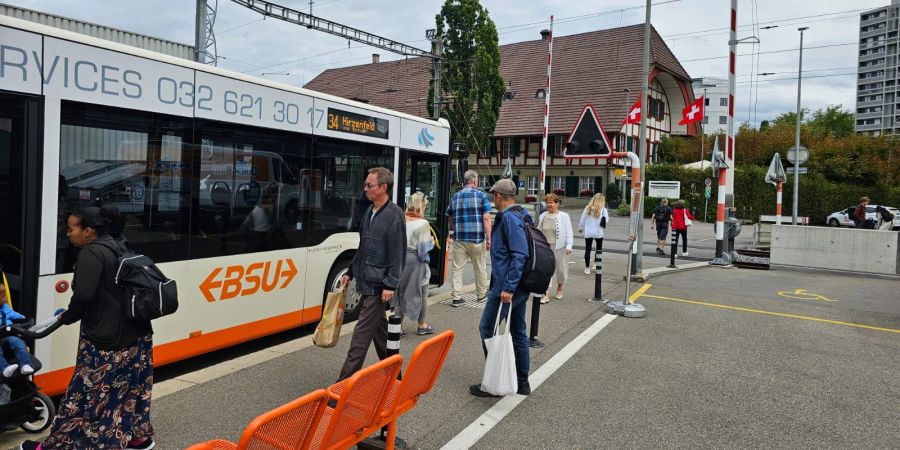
(687, 221)
(500, 365)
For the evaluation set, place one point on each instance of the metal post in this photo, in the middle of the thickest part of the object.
(778, 203)
(625, 307)
(797, 137)
(702, 137)
(436, 63)
(674, 247)
(533, 340)
(642, 152)
(200, 33)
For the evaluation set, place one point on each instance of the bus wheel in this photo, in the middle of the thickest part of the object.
(352, 299)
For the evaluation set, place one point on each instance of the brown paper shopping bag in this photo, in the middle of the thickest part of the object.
(329, 329)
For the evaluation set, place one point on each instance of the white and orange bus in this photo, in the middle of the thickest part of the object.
(245, 191)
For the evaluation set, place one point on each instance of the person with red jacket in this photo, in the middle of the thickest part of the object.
(681, 220)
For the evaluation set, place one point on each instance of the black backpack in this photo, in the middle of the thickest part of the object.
(146, 292)
(541, 264)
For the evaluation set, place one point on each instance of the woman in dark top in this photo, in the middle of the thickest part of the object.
(107, 403)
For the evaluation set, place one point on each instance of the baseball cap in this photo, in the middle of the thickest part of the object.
(504, 186)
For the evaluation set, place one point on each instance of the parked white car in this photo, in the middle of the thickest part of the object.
(842, 217)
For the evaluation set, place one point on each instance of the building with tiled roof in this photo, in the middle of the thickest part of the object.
(588, 68)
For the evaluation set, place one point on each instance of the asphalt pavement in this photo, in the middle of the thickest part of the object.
(725, 358)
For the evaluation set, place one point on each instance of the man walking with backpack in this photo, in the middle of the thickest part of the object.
(509, 253)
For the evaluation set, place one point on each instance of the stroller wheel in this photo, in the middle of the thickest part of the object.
(44, 412)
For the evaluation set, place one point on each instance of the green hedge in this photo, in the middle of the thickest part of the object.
(754, 197)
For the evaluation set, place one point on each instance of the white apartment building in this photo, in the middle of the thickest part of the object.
(877, 101)
(715, 109)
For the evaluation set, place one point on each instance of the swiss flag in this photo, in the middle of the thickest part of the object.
(692, 113)
(634, 114)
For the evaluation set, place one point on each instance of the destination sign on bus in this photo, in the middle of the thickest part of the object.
(353, 123)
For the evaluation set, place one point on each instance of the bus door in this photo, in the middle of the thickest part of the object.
(430, 175)
(20, 119)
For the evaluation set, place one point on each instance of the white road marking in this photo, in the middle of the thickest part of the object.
(487, 421)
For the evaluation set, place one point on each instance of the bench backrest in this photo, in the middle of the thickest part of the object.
(287, 427)
(359, 404)
(422, 372)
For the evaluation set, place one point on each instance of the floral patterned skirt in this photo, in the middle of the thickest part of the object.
(107, 403)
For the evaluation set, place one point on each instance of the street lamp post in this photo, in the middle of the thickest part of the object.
(797, 136)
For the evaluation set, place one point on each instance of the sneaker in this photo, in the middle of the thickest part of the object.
(30, 445)
(675, 255)
(524, 390)
(145, 444)
(27, 369)
(482, 299)
(545, 300)
(660, 251)
(587, 270)
(475, 390)
(457, 302)
(423, 331)
(684, 254)
(10, 370)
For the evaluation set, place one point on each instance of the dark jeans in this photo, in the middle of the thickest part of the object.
(683, 234)
(371, 328)
(18, 347)
(517, 327)
(588, 243)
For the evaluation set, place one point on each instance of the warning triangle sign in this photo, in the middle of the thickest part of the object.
(587, 139)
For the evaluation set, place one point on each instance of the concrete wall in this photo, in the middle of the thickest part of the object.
(836, 248)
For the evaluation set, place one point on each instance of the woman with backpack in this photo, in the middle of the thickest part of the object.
(593, 222)
(107, 403)
(557, 228)
(681, 220)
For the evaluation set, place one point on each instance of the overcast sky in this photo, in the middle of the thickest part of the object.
(696, 30)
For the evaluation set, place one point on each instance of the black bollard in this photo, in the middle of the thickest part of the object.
(674, 248)
(533, 340)
(598, 272)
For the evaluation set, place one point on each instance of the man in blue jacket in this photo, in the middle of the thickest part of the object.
(509, 252)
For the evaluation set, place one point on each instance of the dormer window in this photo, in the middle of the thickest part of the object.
(540, 94)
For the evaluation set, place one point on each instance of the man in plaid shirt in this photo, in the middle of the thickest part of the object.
(469, 216)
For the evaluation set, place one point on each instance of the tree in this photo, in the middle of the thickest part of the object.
(833, 121)
(471, 72)
(789, 119)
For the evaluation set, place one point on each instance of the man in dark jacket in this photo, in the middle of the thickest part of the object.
(376, 268)
(509, 253)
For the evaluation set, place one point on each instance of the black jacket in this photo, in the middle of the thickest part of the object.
(98, 302)
(379, 261)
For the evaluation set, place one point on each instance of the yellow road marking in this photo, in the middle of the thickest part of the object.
(770, 313)
(802, 294)
(638, 293)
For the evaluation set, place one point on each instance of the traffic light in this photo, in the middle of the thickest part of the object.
(587, 130)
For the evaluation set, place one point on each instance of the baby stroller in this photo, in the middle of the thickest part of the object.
(27, 408)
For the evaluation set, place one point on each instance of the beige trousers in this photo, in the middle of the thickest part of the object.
(462, 252)
(561, 274)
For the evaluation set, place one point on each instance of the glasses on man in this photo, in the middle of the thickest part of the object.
(370, 186)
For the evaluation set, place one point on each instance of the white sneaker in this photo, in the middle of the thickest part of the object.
(10, 370)
(675, 255)
(684, 254)
(587, 270)
(27, 369)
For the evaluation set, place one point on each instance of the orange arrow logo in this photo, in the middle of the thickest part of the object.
(211, 283)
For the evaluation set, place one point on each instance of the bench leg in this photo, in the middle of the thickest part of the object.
(391, 435)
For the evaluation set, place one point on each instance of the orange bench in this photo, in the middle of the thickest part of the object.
(367, 401)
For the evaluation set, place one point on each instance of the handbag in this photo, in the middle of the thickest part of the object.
(687, 221)
(500, 365)
(329, 329)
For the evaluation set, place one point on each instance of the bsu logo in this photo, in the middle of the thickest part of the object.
(239, 280)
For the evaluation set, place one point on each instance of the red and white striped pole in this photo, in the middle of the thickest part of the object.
(546, 112)
(778, 203)
(724, 186)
